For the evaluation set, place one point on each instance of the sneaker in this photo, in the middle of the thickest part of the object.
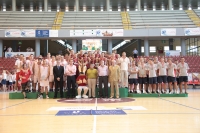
(47, 96)
(85, 96)
(15, 90)
(131, 92)
(139, 92)
(171, 92)
(25, 97)
(144, 92)
(79, 96)
(41, 96)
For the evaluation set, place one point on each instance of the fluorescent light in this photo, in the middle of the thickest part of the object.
(180, 8)
(102, 10)
(154, 9)
(189, 8)
(127, 9)
(145, 9)
(119, 10)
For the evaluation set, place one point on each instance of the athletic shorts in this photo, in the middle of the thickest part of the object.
(3, 81)
(153, 80)
(177, 79)
(10, 83)
(162, 79)
(133, 81)
(142, 80)
(183, 79)
(171, 79)
(13, 82)
(36, 79)
(7, 82)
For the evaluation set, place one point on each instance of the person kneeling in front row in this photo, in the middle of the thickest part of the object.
(82, 84)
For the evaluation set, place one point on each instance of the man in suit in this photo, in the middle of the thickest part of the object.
(58, 72)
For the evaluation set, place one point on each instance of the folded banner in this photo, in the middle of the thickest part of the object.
(13, 54)
(192, 31)
(168, 32)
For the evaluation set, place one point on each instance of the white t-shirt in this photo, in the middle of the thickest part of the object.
(18, 64)
(171, 70)
(152, 70)
(183, 69)
(133, 76)
(124, 63)
(162, 69)
(142, 70)
(4, 76)
(9, 49)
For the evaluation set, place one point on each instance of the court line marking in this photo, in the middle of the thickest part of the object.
(95, 119)
(180, 104)
(16, 104)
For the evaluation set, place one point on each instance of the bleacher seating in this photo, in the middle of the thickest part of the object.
(96, 20)
(197, 12)
(160, 19)
(7, 64)
(92, 20)
(27, 20)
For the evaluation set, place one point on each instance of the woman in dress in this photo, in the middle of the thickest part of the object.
(44, 72)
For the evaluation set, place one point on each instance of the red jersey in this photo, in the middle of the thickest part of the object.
(25, 74)
(81, 77)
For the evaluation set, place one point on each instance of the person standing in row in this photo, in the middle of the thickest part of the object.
(133, 77)
(91, 75)
(114, 78)
(183, 74)
(36, 78)
(135, 53)
(124, 63)
(44, 78)
(71, 79)
(103, 79)
(58, 72)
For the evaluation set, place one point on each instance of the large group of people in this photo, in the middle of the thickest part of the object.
(87, 71)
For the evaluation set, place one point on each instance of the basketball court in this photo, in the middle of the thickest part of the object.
(142, 115)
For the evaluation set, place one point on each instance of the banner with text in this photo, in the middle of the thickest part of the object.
(13, 33)
(192, 31)
(53, 33)
(27, 33)
(168, 32)
(42, 33)
(13, 54)
(172, 53)
(98, 33)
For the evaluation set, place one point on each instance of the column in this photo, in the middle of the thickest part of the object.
(37, 48)
(109, 46)
(146, 47)
(46, 48)
(74, 47)
(183, 47)
(170, 4)
(1, 48)
(13, 5)
(108, 5)
(45, 5)
(139, 47)
(171, 46)
(138, 5)
(77, 5)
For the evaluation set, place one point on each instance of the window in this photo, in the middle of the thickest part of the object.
(152, 49)
(166, 48)
(142, 49)
(192, 48)
(178, 48)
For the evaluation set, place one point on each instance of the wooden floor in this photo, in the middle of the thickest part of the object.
(163, 115)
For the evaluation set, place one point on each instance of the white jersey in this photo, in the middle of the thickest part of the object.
(124, 63)
(4, 76)
(152, 70)
(142, 70)
(44, 70)
(133, 76)
(9, 78)
(14, 77)
(183, 68)
(18, 64)
(162, 69)
(36, 69)
(171, 70)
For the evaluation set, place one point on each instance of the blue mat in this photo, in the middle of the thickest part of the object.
(74, 112)
(108, 112)
(90, 112)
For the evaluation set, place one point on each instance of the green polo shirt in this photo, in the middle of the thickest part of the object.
(91, 73)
